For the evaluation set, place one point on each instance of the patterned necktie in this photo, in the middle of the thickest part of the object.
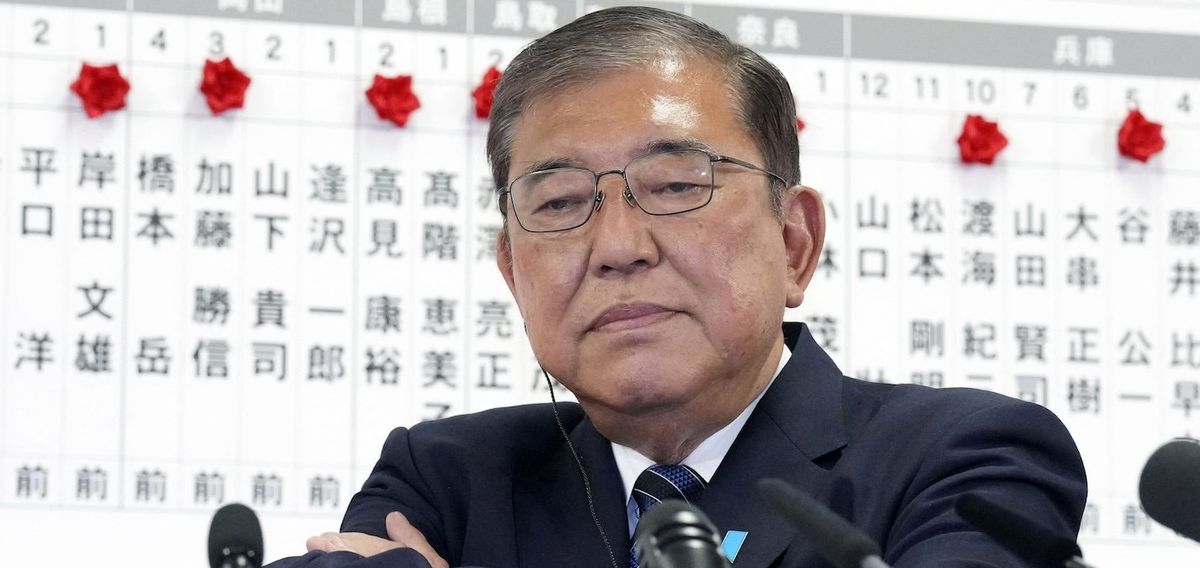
(659, 483)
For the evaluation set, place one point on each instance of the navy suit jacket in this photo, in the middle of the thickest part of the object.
(500, 489)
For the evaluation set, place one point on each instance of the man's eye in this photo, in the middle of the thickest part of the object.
(678, 188)
(558, 205)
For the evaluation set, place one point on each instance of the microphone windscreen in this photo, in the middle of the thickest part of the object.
(1170, 487)
(676, 534)
(1020, 535)
(235, 529)
(834, 537)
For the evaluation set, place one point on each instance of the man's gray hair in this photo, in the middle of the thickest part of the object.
(627, 38)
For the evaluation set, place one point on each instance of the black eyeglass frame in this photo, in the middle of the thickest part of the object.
(598, 197)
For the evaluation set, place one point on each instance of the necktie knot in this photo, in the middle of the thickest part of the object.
(661, 482)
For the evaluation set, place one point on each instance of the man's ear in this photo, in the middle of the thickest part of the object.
(804, 237)
(504, 258)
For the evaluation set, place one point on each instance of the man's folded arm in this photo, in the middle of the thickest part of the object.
(1016, 454)
(395, 484)
(396, 558)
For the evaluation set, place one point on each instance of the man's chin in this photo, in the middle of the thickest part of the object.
(639, 394)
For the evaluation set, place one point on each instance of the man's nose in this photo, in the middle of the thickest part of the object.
(622, 242)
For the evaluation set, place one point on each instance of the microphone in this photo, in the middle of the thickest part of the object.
(235, 538)
(1021, 536)
(1170, 487)
(835, 539)
(675, 534)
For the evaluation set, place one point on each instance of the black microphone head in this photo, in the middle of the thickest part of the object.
(1170, 487)
(1023, 537)
(676, 534)
(235, 532)
(838, 541)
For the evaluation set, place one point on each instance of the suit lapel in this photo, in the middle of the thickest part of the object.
(793, 434)
(554, 525)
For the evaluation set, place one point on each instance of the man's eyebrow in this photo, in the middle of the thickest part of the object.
(549, 164)
(673, 145)
(652, 147)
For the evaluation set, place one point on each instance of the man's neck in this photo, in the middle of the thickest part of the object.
(671, 435)
(706, 457)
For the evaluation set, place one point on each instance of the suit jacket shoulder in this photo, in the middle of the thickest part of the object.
(500, 439)
(893, 459)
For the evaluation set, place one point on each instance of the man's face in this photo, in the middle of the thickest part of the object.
(637, 314)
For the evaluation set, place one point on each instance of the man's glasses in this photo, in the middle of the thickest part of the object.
(666, 183)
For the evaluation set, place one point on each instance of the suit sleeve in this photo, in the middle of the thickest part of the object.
(1017, 454)
(395, 484)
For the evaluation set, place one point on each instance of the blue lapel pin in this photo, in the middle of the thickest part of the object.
(733, 543)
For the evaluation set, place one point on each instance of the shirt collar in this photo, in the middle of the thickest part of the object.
(708, 454)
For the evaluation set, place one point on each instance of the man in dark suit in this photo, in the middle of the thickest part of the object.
(655, 231)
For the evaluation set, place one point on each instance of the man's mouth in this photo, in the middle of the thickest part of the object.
(630, 316)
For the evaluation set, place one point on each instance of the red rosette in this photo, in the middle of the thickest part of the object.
(224, 85)
(101, 88)
(393, 98)
(1139, 138)
(484, 91)
(800, 124)
(980, 140)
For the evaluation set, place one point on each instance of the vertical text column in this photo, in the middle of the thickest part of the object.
(157, 359)
(324, 46)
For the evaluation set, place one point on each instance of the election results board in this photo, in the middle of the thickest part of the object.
(200, 309)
